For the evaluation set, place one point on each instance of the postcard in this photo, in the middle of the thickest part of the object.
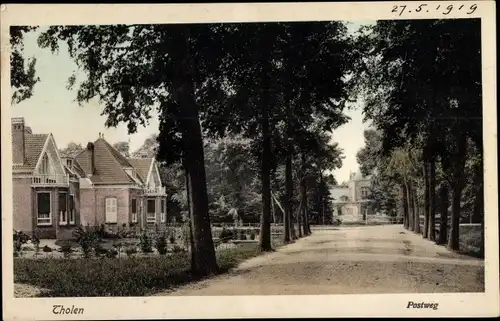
(249, 160)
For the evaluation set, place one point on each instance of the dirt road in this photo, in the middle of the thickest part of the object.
(357, 260)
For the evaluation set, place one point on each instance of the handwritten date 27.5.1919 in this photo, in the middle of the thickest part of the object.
(443, 9)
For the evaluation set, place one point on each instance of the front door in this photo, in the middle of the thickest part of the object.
(151, 211)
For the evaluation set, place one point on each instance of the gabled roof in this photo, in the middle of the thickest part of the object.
(142, 167)
(109, 164)
(33, 147)
(77, 168)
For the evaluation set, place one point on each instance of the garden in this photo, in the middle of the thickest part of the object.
(98, 263)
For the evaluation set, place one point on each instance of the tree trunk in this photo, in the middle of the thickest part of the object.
(289, 195)
(481, 248)
(189, 222)
(478, 211)
(322, 200)
(303, 201)
(307, 229)
(203, 247)
(303, 196)
(265, 220)
(264, 109)
(288, 226)
(300, 222)
(456, 190)
(293, 221)
(426, 199)
(405, 207)
(443, 225)
(479, 206)
(432, 199)
(416, 212)
(411, 217)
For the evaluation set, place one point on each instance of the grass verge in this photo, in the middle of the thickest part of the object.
(136, 276)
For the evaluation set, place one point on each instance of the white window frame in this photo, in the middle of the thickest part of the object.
(71, 211)
(133, 217)
(66, 214)
(43, 221)
(111, 209)
(163, 210)
(150, 217)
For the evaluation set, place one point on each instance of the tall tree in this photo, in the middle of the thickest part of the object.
(131, 69)
(71, 150)
(425, 86)
(123, 148)
(22, 71)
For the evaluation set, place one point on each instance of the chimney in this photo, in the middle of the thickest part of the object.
(90, 147)
(18, 148)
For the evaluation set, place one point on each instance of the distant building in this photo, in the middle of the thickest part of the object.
(351, 200)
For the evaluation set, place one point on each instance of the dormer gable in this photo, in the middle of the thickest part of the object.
(154, 179)
(49, 162)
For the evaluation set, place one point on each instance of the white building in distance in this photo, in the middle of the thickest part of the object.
(350, 201)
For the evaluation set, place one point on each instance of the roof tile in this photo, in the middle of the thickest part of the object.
(33, 146)
(142, 166)
(109, 164)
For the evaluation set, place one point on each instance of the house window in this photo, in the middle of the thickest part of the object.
(134, 210)
(63, 209)
(44, 215)
(364, 192)
(111, 210)
(69, 163)
(72, 209)
(44, 166)
(151, 211)
(163, 215)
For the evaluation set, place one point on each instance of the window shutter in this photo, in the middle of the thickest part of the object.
(111, 210)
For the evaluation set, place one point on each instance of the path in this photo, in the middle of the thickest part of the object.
(357, 260)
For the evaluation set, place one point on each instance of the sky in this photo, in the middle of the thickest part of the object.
(53, 109)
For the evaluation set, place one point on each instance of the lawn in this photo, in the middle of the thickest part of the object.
(135, 276)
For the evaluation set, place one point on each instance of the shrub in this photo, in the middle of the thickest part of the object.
(66, 249)
(99, 250)
(186, 235)
(86, 239)
(46, 249)
(20, 238)
(146, 243)
(161, 244)
(131, 250)
(252, 235)
(36, 243)
(106, 277)
(142, 276)
(118, 246)
(178, 249)
(226, 235)
(112, 253)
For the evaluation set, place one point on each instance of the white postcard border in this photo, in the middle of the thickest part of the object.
(390, 305)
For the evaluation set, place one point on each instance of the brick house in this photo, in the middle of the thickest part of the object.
(45, 191)
(118, 191)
